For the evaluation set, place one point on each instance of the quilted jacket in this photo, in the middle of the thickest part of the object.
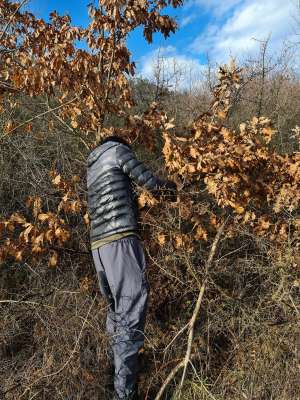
(112, 168)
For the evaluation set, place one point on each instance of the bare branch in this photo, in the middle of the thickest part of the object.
(42, 115)
(11, 18)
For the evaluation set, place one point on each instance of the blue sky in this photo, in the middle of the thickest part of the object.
(215, 28)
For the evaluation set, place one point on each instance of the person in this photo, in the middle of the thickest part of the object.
(118, 255)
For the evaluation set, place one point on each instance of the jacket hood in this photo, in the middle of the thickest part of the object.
(98, 151)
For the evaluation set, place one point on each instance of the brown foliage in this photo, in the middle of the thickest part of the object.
(55, 96)
(241, 171)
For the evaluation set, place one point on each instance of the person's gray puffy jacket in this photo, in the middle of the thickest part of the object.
(112, 204)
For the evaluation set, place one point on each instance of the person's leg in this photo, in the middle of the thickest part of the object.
(124, 265)
(106, 292)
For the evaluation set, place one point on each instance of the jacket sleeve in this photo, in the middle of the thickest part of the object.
(137, 171)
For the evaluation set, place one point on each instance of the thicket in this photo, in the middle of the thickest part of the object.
(223, 261)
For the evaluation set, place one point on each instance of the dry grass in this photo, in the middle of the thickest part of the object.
(52, 336)
(246, 343)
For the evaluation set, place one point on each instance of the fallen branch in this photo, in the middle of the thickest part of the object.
(169, 378)
(183, 364)
(191, 332)
(199, 301)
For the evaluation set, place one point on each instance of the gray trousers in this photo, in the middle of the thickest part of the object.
(120, 267)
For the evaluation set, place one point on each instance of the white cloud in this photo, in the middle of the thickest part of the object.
(177, 70)
(217, 7)
(187, 20)
(248, 20)
(236, 29)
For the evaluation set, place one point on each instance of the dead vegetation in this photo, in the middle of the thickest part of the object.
(245, 337)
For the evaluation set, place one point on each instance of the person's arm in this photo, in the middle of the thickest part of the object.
(140, 174)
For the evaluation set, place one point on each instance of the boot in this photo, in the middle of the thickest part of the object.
(132, 396)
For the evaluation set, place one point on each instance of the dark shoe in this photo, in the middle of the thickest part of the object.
(132, 396)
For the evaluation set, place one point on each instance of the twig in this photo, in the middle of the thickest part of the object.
(199, 301)
(67, 250)
(11, 18)
(214, 246)
(8, 86)
(169, 378)
(71, 355)
(32, 303)
(41, 115)
(232, 252)
(176, 336)
(191, 333)
(12, 388)
(201, 383)
(163, 270)
(71, 130)
(107, 86)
